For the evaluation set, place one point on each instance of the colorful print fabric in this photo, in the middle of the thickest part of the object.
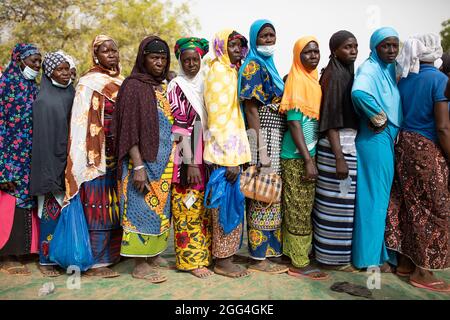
(226, 141)
(17, 95)
(193, 231)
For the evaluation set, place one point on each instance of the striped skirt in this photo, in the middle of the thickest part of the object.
(333, 211)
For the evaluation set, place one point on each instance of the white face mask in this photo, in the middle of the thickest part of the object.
(59, 85)
(29, 73)
(266, 51)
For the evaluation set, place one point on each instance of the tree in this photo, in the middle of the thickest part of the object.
(50, 24)
(445, 34)
(131, 21)
(71, 25)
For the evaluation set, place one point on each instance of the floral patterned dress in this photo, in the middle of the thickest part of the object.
(264, 222)
(17, 95)
(146, 218)
(191, 221)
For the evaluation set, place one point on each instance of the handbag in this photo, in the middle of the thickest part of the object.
(264, 188)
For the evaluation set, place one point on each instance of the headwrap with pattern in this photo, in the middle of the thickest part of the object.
(192, 43)
(51, 61)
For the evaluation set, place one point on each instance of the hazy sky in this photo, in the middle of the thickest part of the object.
(321, 18)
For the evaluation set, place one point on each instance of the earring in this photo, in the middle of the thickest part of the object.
(95, 60)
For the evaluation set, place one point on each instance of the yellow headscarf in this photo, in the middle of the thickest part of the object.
(226, 143)
(302, 91)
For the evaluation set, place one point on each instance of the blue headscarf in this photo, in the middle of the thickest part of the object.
(377, 78)
(262, 60)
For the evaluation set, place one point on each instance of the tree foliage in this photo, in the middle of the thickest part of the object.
(71, 25)
(445, 35)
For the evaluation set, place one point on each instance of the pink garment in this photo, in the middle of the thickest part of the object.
(184, 119)
(34, 232)
(7, 208)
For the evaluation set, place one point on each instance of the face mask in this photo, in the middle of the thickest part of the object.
(59, 85)
(29, 73)
(266, 51)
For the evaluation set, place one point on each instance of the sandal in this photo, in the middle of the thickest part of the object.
(233, 275)
(352, 289)
(309, 274)
(15, 268)
(430, 286)
(154, 277)
(268, 267)
(50, 271)
(403, 274)
(98, 273)
(342, 268)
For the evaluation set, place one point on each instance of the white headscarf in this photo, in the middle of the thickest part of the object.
(69, 59)
(193, 89)
(426, 48)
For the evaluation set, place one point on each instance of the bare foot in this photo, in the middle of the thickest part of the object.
(202, 273)
(284, 260)
(342, 268)
(158, 261)
(144, 271)
(386, 268)
(102, 273)
(405, 266)
(227, 268)
(50, 271)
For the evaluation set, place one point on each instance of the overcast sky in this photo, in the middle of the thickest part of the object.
(321, 18)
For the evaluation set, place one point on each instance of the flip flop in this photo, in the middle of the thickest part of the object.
(269, 268)
(307, 275)
(50, 273)
(9, 270)
(345, 268)
(429, 286)
(90, 273)
(403, 274)
(153, 277)
(233, 275)
(352, 289)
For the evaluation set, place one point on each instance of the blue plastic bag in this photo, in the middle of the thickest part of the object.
(227, 197)
(70, 245)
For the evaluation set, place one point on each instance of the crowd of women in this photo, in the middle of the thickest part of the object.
(363, 156)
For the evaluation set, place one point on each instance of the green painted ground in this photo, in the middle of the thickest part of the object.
(182, 286)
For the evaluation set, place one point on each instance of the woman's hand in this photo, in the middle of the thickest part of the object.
(232, 174)
(194, 175)
(264, 158)
(377, 129)
(140, 180)
(341, 169)
(311, 170)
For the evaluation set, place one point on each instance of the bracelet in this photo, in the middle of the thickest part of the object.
(138, 168)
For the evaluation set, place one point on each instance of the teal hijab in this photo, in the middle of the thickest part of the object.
(254, 55)
(378, 78)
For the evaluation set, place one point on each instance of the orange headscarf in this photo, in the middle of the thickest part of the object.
(302, 90)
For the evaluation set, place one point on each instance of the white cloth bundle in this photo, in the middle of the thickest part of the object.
(426, 48)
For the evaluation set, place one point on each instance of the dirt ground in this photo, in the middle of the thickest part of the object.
(183, 286)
